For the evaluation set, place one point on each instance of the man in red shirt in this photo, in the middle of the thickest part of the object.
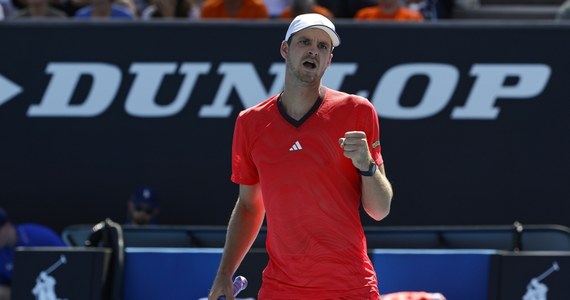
(306, 159)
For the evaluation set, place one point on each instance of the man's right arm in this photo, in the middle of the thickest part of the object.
(245, 222)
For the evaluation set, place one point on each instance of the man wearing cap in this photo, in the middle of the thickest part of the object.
(22, 235)
(306, 159)
(142, 206)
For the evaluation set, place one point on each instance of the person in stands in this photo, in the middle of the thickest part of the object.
(142, 207)
(388, 10)
(20, 235)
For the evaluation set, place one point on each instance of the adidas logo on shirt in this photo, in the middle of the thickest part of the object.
(296, 146)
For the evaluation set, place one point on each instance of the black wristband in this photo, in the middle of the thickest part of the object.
(371, 170)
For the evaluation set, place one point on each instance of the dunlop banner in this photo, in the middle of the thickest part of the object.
(473, 116)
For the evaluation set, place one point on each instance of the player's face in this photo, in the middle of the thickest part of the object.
(309, 54)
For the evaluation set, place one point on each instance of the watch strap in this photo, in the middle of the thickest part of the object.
(371, 170)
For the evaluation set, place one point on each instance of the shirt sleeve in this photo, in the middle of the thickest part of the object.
(371, 125)
(39, 235)
(244, 170)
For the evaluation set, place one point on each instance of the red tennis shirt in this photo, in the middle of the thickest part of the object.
(311, 192)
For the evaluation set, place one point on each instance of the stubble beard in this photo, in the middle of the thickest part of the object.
(307, 78)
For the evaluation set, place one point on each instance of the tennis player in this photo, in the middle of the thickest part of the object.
(306, 159)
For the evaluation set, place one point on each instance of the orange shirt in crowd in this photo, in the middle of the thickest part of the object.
(250, 9)
(287, 14)
(375, 13)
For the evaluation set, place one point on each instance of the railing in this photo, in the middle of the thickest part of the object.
(517, 237)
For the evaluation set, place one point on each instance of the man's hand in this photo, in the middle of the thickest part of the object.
(355, 147)
(223, 286)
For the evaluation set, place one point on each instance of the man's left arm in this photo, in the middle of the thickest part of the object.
(376, 189)
(376, 194)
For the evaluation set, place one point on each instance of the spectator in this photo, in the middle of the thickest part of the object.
(275, 7)
(234, 9)
(105, 9)
(564, 11)
(40, 9)
(23, 235)
(142, 207)
(72, 6)
(299, 7)
(428, 8)
(388, 10)
(169, 9)
(345, 8)
(6, 9)
(445, 9)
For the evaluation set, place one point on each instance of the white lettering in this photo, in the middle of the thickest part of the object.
(149, 76)
(490, 85)
(334, 76)
(442, 83)
(65, 76)
(242, 78)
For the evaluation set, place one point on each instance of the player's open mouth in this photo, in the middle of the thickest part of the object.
(309, 64)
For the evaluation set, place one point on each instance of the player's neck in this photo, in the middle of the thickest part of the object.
(298, 101)
(300, 94)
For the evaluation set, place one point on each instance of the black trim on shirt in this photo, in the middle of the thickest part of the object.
(292, 121)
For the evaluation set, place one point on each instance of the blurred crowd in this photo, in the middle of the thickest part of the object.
(401, 10)
(398, 10)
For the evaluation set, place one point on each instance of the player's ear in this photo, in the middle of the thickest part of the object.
(284, 49)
